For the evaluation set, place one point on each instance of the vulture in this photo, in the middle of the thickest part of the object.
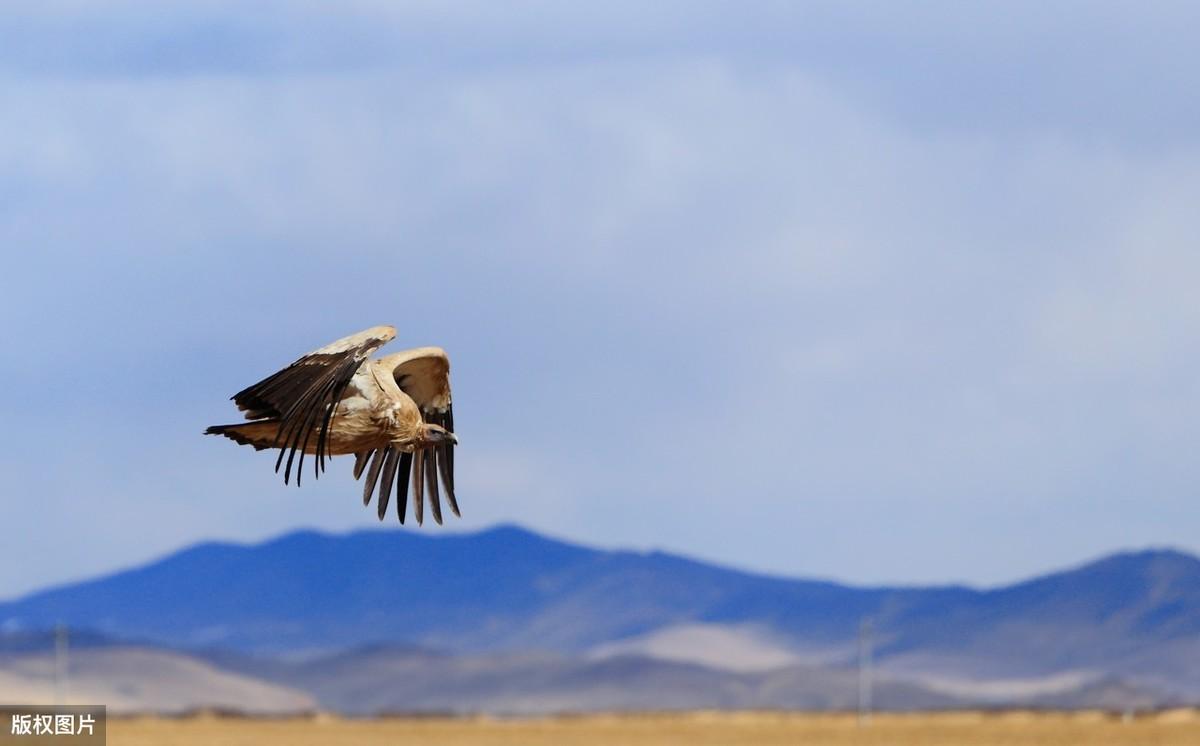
(392, 412)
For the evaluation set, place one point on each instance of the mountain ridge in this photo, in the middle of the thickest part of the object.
(1133, 614)
(516, 529)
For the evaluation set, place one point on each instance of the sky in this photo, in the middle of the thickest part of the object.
(877, 292)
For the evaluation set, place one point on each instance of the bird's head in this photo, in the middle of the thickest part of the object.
(436, 435)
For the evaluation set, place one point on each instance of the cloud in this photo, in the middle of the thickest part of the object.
(1108, 71)
(768, 287)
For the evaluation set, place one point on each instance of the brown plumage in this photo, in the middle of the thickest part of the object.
(393, 413)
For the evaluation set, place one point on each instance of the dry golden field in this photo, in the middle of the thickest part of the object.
(1180, 728)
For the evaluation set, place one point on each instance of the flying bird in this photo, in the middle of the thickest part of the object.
(393, 413)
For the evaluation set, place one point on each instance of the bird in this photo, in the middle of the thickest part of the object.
(393, 413)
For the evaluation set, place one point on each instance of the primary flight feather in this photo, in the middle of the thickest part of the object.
(393, 413)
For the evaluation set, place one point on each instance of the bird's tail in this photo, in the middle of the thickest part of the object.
(261, 433)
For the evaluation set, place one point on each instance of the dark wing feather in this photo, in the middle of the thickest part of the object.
(424, 374)
(304, 395)
(418, 482)
(444, 455)
(450, 457)
(385, 482)
(402, 475)
(360, 462)
(431, 484)
(373, 474)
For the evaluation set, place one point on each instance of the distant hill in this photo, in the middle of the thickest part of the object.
(1133, 616)
(142, 679)
(381, 680)
(505, 588)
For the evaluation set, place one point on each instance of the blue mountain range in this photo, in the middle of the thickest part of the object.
(1134, 615)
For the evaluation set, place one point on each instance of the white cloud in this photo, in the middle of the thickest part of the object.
(700, 294)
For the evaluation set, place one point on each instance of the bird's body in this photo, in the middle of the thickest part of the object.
(394, 412)
(372, 413)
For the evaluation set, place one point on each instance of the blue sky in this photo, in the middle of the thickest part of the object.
(853, 290)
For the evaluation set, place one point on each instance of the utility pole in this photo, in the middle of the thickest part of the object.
(60, 664)
(865, 642)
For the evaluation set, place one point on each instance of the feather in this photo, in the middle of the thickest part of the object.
(443, 462)
(373, 474)
(300, 419)
(304, 396)
(418, 480)
(424, 374)
(360, 462)
(443, 455)
(385, 482)
(450, 456)
(259, 434)
(402, 484)
(303, 427)
(431, 485)
(322, 394)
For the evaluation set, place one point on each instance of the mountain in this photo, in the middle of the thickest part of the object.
(404, 680)
(505, 588)
(397, 680)
(1132, 616)
(130, 679)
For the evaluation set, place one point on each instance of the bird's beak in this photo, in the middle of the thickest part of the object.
(453, 438)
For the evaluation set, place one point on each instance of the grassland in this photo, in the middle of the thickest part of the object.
(694, 729)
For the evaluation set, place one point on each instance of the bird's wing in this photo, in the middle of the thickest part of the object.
(303, 395)
(424, 374)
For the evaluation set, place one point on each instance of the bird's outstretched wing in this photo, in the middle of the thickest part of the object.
(303, 395)
(424, 374)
